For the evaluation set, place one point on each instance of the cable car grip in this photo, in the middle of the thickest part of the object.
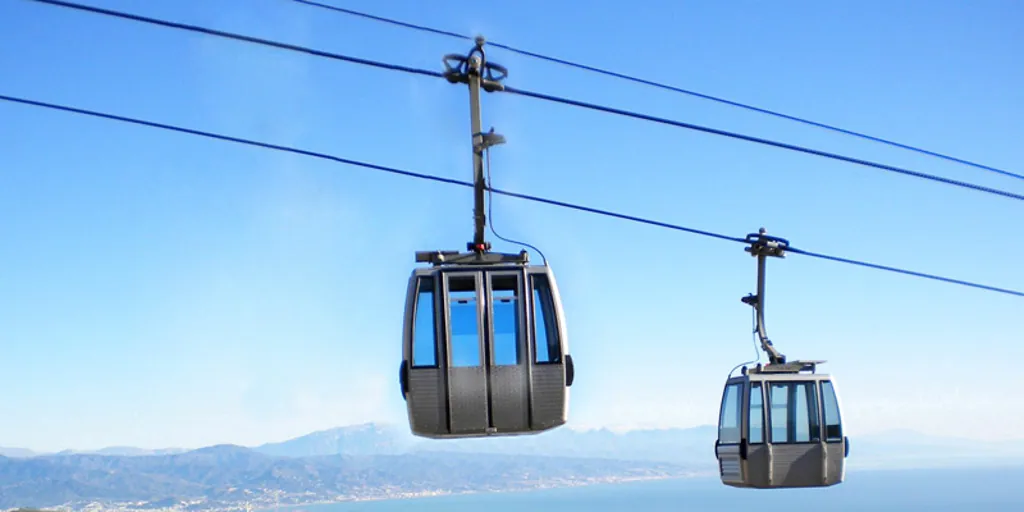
(458, 68)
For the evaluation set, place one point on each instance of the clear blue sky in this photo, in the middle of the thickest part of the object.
(164, 290)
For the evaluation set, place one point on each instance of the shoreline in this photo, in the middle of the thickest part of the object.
(447, 493)
(265, 503)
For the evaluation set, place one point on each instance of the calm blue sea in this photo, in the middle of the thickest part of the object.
(959, 490)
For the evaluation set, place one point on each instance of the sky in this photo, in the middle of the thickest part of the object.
(160, 289)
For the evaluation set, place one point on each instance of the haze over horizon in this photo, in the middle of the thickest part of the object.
(400, 429)
(401, 432)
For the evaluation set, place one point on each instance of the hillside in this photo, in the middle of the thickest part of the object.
(687, 446)
(17, 452)
(366, 439)
(231, 477)
(690, 446)
(693, 447)
(378, 461)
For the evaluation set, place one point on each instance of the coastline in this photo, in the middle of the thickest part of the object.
(540, 486)
(269, 501)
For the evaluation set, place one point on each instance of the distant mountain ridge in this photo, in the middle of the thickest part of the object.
(694, 446)
(17, 452)
(128, 451)
(689, 446)
(679, 445)
(232, 477)
(364, 439)
(386, 461)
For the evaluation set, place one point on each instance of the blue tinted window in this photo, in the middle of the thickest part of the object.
(806, 417)
(464, 322)
(424, 352)
(545, 332)
(794, 412)
(755, 422)
(833, 426)
(729, 416)
(778, 399)
(505, 314)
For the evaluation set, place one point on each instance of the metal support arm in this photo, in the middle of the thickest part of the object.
(762, 246)
(475, 71)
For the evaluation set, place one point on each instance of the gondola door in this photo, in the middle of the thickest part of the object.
(549, 361)
(836, 443)
(508, 373)
(466, 352)
(797, 450)
(730, 448)
(757, 462)
(422, 375)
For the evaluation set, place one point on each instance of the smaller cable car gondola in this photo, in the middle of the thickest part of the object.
(484, 341)
(779, 425)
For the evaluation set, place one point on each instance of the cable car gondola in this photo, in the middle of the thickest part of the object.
(485, 350)
(779, 425)
(484, 343)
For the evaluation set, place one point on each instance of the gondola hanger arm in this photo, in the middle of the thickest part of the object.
(762, 247)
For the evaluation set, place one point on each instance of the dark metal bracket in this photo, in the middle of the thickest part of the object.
(761, 247)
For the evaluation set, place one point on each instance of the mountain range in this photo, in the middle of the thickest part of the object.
(379, 461)
(690, 446)
(669, 445)
(682, 446)
(226, 477)
(693, 447)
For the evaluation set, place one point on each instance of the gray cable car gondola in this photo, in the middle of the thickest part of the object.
(484, 344)
(779, 426)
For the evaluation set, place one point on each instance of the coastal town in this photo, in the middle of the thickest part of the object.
(254, 500)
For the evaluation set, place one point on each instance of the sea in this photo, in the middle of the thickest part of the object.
(945, 490)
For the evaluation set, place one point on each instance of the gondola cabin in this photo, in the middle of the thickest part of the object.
(484, 350)
(779, 427)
